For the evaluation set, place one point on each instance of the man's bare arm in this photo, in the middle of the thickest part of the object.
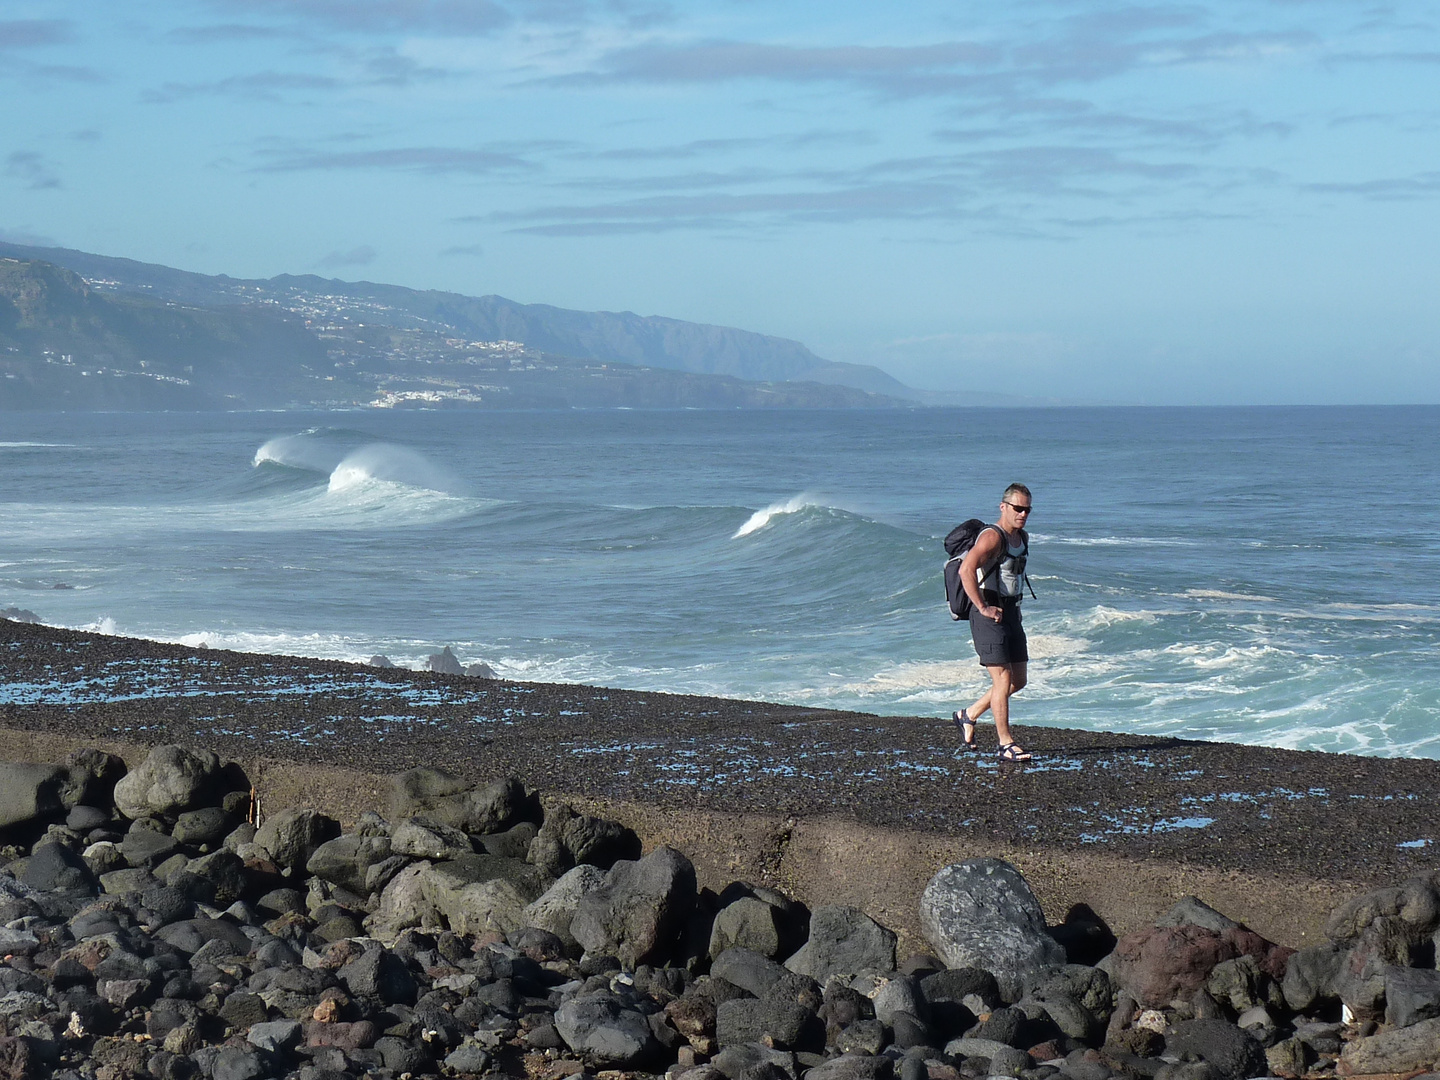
(987, 545)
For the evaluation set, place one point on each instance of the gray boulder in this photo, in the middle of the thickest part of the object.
(901, 994)
(748, 923)
(605, 1030)
(1400, 1050)
(293, 836)
(1234, 1052)
(480, 670)
(347, 859)
(451, 800)
(380, 660)
(780, 1024)
(275, 1036)
(379, 974)
(30, 792)
(747, 969)
(169, 781)
(444, 663)
(54, 866)
(208, 825)
(1192, 911)
(555, 910)
(639, 911)
(843, 941)
(981, 913)
(853, 1067)
(1310, 976)
(403, 904)
(422, 838)
(1411, 995)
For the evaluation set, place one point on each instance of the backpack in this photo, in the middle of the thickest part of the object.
(958, 543)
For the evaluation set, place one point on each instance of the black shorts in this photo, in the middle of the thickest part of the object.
(1002, 642)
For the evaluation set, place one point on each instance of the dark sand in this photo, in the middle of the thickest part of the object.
(834, 805)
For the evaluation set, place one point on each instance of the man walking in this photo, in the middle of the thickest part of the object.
(992, 574)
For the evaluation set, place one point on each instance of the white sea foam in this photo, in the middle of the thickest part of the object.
(1219, 594)
(38, 445)
(302, 451)
(761, 518)
(395, 465)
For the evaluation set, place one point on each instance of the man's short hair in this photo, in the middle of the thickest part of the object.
(1013, 488)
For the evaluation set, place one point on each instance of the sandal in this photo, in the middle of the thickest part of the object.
(1013, 752)
(967, 729)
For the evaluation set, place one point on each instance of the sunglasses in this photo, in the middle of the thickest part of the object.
(1020, 509)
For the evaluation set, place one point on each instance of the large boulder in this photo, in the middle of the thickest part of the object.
(555, 910)
(639, 911)
(1399, 1050)
(569, 839)
(1310, 976)
(403, 904)
(1160, 963)
(1411, 995)
(451, 800)
(346, 860)
(168, 782)
(30, 792)
(843, 941)
(1234, 1052)
(981, 913)
(602, 1028)
(34, 794)
(748, 923)
(444, 663)
(292, 836)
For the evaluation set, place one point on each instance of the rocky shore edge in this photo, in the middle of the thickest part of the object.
(154, 925)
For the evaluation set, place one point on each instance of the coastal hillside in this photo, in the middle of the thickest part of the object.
(69, 342)
(608, 337)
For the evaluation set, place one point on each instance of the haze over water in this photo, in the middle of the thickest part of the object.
(1266, 576)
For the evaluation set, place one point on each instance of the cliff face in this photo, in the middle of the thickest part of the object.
(610, 337)
(63, 344)
(66, 344)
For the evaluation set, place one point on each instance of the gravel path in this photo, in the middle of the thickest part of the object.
(1206, 804)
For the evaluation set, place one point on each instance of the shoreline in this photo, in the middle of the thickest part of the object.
(856, 807)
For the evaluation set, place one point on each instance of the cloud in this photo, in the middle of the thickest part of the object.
(465, 18)
(472, 250)
(419, 159)
(389, 67)
(358, 256)
(263, 85)
(227, 32)
(1424, 185)
(32, 169)
(716, 61)
(32, 33)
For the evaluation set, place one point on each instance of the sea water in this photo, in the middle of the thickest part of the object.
(1266, 575)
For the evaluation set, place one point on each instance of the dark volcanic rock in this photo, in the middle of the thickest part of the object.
(640, 908)
(602, 1028)
(843, 940)
(170, 781)
(981, 913)
(1234, 1052)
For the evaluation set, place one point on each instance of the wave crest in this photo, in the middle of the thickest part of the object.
(761, 518)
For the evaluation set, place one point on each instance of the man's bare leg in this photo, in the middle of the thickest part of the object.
(999, 695)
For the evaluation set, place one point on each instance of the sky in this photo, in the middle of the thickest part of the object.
(1164, 203)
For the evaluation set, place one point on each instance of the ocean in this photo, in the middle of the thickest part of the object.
(1258, 575)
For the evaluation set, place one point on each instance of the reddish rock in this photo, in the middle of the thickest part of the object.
(1046, 1051)
(357, 1036)
(17, 1061)
(1158, 964)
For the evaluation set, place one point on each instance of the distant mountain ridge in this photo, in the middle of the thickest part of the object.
(619, 337)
